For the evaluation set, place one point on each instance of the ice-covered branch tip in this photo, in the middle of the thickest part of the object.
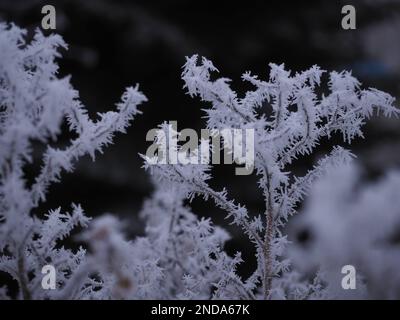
(297, 110)
(93, 136)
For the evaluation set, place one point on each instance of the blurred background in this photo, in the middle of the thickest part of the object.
(114, 44)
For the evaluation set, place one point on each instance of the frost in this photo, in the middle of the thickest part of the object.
(299, 118)
(33, 104)
(357, 224)
(182, 256)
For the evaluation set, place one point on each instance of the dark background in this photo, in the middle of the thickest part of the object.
(114, 44)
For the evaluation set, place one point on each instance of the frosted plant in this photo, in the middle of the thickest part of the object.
(126, 270)
(180, 256)
(189, 250)
(297, 119)
(33, 104)
(356, 223)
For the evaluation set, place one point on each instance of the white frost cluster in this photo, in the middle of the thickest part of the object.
(34, 102)
(353, 223)
(297, 119)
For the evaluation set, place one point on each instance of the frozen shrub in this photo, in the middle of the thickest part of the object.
(33, 104)
(189, 250)
(299, 119)
(182, 256)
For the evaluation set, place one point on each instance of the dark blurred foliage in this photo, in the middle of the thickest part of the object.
(114, 44)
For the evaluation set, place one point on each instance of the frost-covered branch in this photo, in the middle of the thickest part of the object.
(34, 102)
(298, 120)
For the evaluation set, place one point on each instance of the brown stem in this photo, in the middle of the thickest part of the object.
(267, 256)
(26, 294)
